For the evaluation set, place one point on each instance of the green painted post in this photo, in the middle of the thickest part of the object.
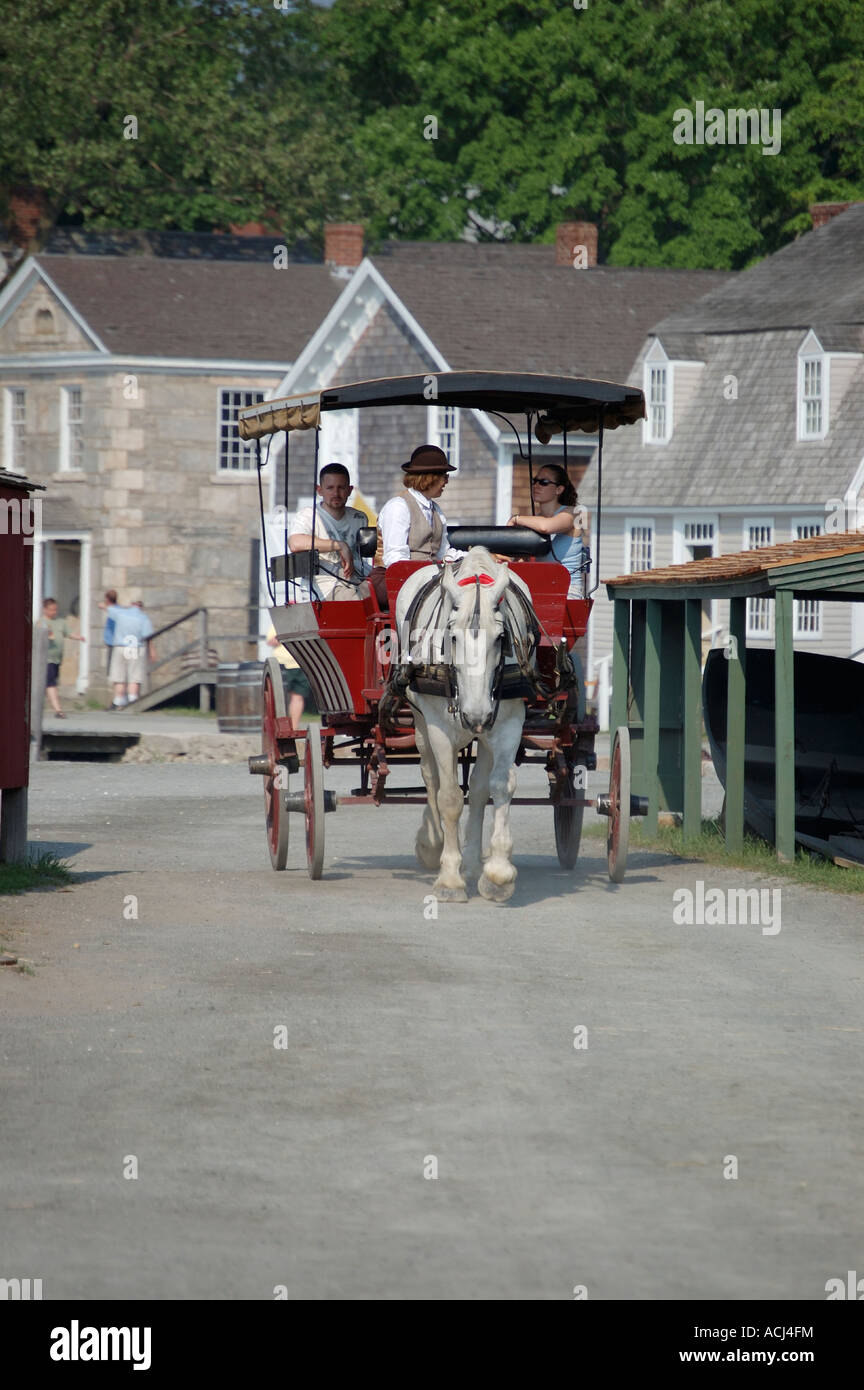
(620, 665)
(735, 723)
(784, 728)
(692, 734)
(651, 735)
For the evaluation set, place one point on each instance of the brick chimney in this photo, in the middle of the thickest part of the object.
(823, 212)
(26, 207)
(569, 237)
(343, 244)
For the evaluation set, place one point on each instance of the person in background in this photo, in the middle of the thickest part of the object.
(57, 629)
(129, 654)
(293, 679)
(108, 629)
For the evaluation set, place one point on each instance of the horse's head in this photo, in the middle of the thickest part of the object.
(475, 629)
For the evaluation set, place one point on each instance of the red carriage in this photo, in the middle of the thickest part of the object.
(346, 648)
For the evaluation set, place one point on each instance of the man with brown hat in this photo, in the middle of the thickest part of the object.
(412, 525)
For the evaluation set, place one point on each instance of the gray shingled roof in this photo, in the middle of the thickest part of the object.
(726, 452)
(815, 282)
(508, 307)
(154, 307)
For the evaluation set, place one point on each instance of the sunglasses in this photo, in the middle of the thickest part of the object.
(543, 482)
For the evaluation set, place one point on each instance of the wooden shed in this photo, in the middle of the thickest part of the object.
(18, 526)
(656, 669)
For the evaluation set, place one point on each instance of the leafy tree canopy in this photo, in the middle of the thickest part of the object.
(421, 118)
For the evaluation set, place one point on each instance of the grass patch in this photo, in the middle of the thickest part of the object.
(756, 856)
(45, 871)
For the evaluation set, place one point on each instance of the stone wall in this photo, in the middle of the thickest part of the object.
(165, 525)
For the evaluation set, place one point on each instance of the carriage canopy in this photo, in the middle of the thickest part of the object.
(560, 403)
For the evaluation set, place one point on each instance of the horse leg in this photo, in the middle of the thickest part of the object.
(450, 885)
(430, 839)
(498, 879)
(478, 796)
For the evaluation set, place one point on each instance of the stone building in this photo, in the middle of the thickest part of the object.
(123, 362)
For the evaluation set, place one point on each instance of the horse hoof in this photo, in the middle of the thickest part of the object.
(450, 895)
(495, 892)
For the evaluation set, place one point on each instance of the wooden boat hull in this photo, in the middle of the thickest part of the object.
(829, 746)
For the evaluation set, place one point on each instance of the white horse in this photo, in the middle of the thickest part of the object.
(460, 622)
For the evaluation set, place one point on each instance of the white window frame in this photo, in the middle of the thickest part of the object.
(810, 353)
(631, 524)
(760, 611)
(67, 453)
(14, 431)
(658, 361)
(245, 449)
(807, 612)
(447, 439)
(680, 540)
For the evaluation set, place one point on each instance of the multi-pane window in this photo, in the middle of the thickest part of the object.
(807, 611)
(760, 611)
(658, 403)
(235, 454)
(641, 547)
(447, 432)
(71, 428)
(812, 398)
(15, 450)
(698, 532)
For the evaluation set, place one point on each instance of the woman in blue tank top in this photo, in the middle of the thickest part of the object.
(555, 516)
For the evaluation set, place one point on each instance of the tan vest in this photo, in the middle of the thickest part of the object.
(424, 541)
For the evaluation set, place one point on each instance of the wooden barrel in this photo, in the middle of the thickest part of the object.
(238, 697)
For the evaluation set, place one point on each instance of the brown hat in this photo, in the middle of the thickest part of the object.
(428, 458)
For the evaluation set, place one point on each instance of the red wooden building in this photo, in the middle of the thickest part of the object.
(18, 526)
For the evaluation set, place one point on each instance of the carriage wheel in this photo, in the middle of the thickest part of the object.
(275, 815)
(618, 840)
(313, 790)
(568, 823)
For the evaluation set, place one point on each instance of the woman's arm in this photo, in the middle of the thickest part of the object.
(563, 523)
(394, 523)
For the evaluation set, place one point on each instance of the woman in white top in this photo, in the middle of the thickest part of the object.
(412, 525)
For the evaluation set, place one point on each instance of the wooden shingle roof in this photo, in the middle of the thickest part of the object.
(509, 307)
(746, 564)
(814, 282)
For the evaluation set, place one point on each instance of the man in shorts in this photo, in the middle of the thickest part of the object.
(294, 681)
(57, 629)
(129, 653)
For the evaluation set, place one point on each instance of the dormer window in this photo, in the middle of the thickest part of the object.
(658, 396)
(812, 390)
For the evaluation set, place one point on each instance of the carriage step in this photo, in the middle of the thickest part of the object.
(638, 805)
(296, 801)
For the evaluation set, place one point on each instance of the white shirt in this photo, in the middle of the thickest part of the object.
(331, 560)
(394, 522)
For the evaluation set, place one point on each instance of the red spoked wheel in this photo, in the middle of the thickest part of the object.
(618, 839)
(275, 787)
(313, 795)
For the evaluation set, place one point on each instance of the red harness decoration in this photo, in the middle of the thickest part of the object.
(475, 579)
